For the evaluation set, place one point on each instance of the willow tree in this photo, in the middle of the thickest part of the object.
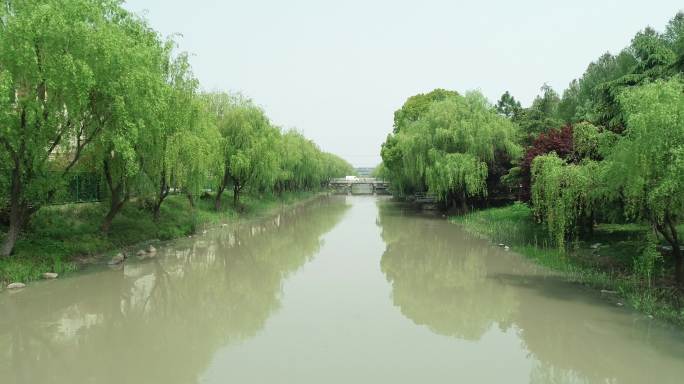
(194, 152)
(392, 154)
(566, 175)
(303, 166)
(299, 162)
(563, 194)
(448, 150)
(57, 87)
(334, 166)
(250, 146)
(132, 111)
(646, 166)
(418, 105)
(179, 126)
(392, 159)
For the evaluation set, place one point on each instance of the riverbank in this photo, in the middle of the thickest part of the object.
(604, 260)
(62, 239)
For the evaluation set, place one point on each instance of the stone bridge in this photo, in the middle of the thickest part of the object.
(369, 184)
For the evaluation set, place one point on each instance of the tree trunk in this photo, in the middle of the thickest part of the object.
(221, 188)
(217, 200)
(676, 252)
(669, 232)
(156, 211)
(17, 218)
(114, 210)
(117, 201)
(679, 265)
(236, 194)
(191, 200)
(464, 203)
(163, 193)
(17, 214)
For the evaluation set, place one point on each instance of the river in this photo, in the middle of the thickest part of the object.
(346, 289)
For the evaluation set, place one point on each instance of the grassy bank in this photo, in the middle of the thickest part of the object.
(60, 238)
(606, 259)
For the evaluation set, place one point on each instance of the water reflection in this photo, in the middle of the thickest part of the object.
(405, 299)
(440, 279)
(159, 321)
(461, 287)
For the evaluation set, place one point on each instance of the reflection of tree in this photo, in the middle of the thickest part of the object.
(575, 342)
(460, 287)
(163, 320)
(549, 374)
(440, 278)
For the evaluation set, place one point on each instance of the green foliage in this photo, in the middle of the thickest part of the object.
(645, 264)
(541, 116)
(86, 85)
(562, 194)
(674, 37)
(59, 235)
(447, 148)
(623, 163)
(585, 140)
(255, 154)
(456, 170)
(416, 106)
(380, 171)
(248, 146)
(68, 70)
(303, 166)
(515, 225)
(592, 142)
(508, 106)
(645, 169)
(651, 55)
(335, 166)
(640, 171)
(194, 151)
(590, 98)
(646, 166)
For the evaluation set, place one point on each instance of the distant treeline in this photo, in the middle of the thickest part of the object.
(610, 149)
(86, 86)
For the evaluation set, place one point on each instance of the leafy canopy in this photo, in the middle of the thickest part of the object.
(446, 149)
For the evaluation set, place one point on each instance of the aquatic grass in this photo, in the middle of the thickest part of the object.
(514, 226)
(25, 268)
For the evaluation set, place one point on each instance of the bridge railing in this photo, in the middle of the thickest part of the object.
(358, 180)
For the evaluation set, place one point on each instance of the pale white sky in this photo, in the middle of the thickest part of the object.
(337, 70)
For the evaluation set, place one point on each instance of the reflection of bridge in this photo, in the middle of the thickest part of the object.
(371, 184)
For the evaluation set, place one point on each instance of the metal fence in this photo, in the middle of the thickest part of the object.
(81, 187)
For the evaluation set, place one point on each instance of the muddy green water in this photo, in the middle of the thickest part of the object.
(343, 290)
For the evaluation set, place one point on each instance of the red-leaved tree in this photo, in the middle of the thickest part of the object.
(554, 140)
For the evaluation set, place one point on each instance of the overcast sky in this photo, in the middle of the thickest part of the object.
(337, 70)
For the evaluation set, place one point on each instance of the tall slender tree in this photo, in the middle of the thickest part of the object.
(250, 142)
(59, 92)
(646, 166)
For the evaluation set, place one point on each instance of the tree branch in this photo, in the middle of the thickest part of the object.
(673, 229)
(663, 232)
